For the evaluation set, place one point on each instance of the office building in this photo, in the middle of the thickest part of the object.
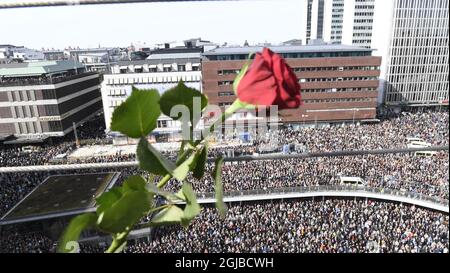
(339, 83)
(43, 99)
(162, 70)
(418, 65)
(411, 36)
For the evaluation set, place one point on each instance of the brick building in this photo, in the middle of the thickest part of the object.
(339, 83)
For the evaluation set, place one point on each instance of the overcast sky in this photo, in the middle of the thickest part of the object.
(123, 24)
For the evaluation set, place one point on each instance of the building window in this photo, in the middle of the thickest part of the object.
(224, 104)
(226, 93)
(54, 126)
(162, 124)
(220, 83)
(51, 110)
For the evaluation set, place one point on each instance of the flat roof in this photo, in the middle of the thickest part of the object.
(37, 68)
(174, 55)
(158, 61)
(89, 49)
(177, 49)
(286, 49)
(60, 195)
(25, 140)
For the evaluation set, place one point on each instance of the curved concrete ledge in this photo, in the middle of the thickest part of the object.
(439, 206)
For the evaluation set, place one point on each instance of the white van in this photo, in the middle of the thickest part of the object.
(418, 144)
(27, 149)
(421, 143)
(356, 181)
(414, 139)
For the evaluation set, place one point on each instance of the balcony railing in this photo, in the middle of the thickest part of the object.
(329, 189)
(41, 80)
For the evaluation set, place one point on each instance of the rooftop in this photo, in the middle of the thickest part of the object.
(37, 68)
(159, 61)
(8, 45)
(60, 195)
(96, 49)
(174, 55)
(174, 50)
(287, 49)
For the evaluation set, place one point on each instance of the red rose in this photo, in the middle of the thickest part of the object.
(270, 81)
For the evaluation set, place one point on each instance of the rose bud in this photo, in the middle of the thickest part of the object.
(269, 81)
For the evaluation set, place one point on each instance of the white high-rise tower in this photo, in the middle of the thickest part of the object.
(411, 36)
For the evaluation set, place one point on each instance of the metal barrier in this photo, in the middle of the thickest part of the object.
(332, 190)
(66, 167)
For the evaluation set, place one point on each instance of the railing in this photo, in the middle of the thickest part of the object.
(126, 164)
(43, 81)
(329, 189)
(140, 229)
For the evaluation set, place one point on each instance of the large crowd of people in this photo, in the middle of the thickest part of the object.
(92, 131)
(293, 226)
(300, 226)
(27, 243)
(406, 172)
(432, 127)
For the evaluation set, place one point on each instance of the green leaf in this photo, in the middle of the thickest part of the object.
(134, 183)
(190, 164)
(167, 195)
(183, 95)
(107, 199)
(68, 242)
(192, 207)
(182, 171)
(153, 161)
(170, 215)
(217, 174)
(199, 169)
(137, 116)
(242, 72)
(124, 213)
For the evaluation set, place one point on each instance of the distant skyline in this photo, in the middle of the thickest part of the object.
(234, 22)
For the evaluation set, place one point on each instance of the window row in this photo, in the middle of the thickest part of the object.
(295, 55)
(154, 68)
(117, 92)
(340, 100)
(335, 68)
(226, 94)
(334, 90)
(228, 72)
(161, 79)
(338, 79)
(115, 103)
(224, 104)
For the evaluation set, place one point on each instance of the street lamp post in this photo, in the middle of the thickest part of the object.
(354, 112)
(303, 117)
(77, 142)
